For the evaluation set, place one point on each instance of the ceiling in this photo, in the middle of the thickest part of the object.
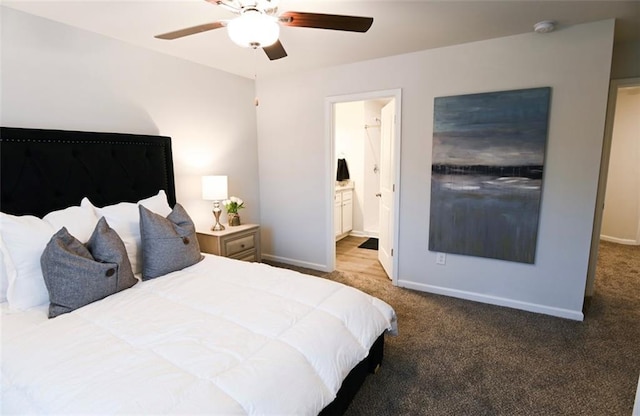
(399, 27)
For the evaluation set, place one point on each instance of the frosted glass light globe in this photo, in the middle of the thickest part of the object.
(253, 29)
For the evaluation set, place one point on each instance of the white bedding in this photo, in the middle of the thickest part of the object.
(219, 337)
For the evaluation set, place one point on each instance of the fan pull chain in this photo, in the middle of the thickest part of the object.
(256, 102)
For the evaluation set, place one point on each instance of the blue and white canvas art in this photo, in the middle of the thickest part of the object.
(486, 173)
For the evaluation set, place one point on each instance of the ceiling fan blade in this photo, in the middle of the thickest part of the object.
(191, 30)
(275, 51)
(326, 21)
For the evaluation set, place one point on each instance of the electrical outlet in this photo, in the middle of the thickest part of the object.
(441, 258)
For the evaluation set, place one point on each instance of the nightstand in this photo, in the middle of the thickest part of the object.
(241, 242)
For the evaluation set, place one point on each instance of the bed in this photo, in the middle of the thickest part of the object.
(218, 336)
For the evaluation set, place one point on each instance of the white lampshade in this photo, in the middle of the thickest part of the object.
(253, 29)
(214, 188)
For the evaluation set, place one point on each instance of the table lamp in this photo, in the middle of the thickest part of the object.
(214, 188)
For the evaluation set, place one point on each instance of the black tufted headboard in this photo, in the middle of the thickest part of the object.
(46, 170)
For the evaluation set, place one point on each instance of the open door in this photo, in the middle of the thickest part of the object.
(389, 175)
(387, 187)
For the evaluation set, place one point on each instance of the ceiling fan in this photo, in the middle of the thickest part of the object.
(258, 24)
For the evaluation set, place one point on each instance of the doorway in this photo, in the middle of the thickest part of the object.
(364, 176)
(621, 215)
(619, 160)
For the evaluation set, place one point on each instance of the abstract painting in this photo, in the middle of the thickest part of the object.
(486, 173)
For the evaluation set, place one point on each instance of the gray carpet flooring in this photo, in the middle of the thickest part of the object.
(457, 357)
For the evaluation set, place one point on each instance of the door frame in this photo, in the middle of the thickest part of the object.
(396, 95)
(614, 86)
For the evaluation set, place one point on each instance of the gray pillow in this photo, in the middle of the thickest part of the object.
(168, 244)
(76, 275)
(106, 246)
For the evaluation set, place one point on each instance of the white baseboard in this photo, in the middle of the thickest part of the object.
(460, 294)
(619, 240)
(307, 265)
(493, 300)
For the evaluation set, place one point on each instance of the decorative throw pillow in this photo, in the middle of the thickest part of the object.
(106, 246)
(76, 276)
(125, 219)
(168, 244)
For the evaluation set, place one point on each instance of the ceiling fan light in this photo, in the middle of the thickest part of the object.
(253, 29)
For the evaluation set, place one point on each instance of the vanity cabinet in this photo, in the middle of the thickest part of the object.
(343, 213)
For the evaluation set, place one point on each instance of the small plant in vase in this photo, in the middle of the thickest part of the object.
(232, 205)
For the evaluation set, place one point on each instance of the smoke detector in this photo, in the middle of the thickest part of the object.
(545, 26)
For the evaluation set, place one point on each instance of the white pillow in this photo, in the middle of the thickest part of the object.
(157, 203)
(4, 279)
(79, 221)
(24, 239)
(125, 219)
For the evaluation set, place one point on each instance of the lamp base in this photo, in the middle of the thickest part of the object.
(217, 227)
(216, 213)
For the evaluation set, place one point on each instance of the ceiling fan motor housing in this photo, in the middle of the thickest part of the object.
(266, 6)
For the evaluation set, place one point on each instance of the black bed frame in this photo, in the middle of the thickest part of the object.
(47, 170)
(352, 383)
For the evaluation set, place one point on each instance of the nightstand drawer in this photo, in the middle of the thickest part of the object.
(246, 256)
(234, 246)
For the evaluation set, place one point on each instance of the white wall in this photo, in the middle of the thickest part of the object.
(574, 62)
(621, 217)
(54, 76)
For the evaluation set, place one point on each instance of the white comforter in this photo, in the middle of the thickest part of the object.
(220, 337)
